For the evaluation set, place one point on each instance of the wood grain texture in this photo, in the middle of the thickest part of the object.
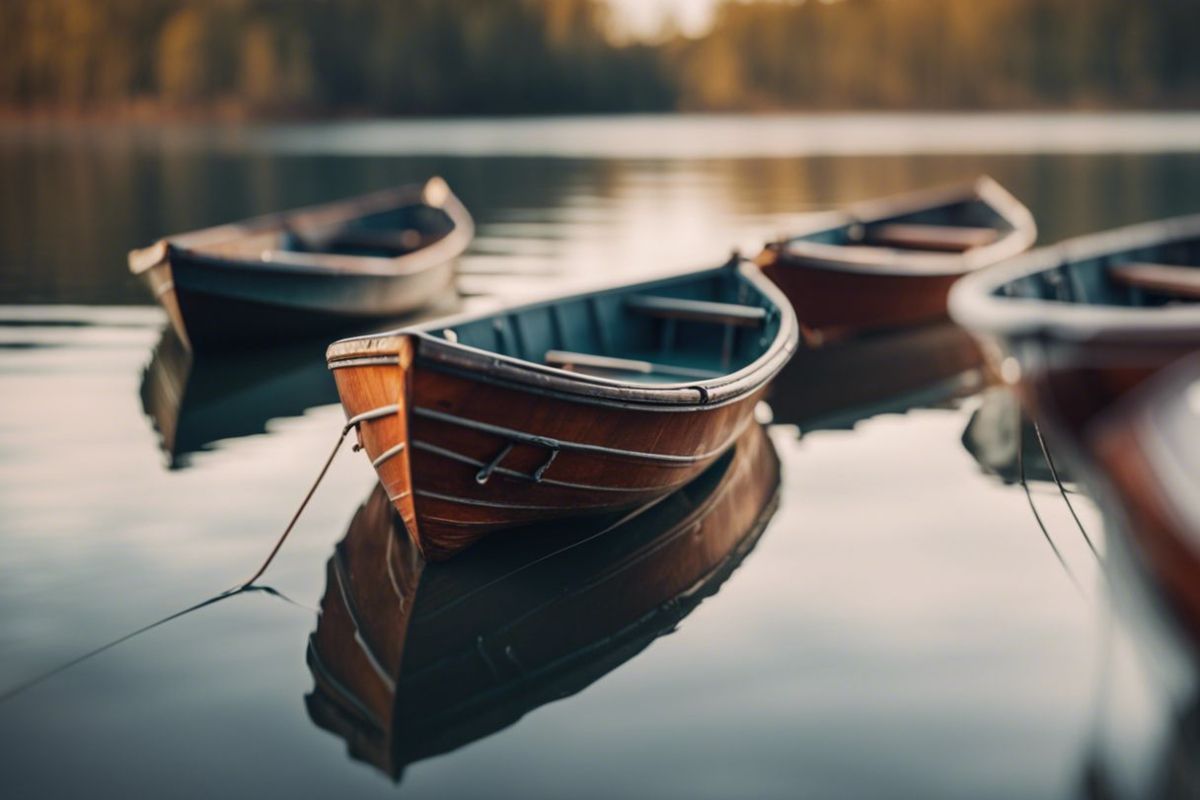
(889, 263)
(832, 305)
(590, 458)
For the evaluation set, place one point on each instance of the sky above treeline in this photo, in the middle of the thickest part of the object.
(645, 18)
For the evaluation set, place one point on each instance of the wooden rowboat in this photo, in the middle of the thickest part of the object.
(1146, 454)
(350, 264)
(1078, 325)
(412, 660)
(890, 263)
(578, 405)
(1145, 470)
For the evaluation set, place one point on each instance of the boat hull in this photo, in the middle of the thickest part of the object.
(551, 455)
(1066, 384)
(889, 263)
(351, 265)
(833, 304)
(215, 307)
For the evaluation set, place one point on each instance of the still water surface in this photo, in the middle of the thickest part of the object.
(901, 627)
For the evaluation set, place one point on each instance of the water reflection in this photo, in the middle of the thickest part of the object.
(195, 401)
(824, 684)
(410, 660)
(597, 215)
(1005, 443)
(838, 385)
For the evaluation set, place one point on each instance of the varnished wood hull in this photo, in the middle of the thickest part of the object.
(1068, 385)
(595, 457)
(465, 448)
(1145, 456)
(1145, 453)
(842, 286)
(412, 660)
(833, 304)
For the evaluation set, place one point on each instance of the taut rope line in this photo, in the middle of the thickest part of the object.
(245, 586)
(352, 424)
(1063, 491)
(1033, 507)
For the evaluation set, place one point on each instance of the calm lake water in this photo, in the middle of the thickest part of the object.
(901, 628)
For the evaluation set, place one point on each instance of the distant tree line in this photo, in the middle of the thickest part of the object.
(944, 54)
(317, 57)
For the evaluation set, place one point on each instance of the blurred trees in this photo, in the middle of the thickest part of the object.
(316, 56)
(944, 54)
(528, 56)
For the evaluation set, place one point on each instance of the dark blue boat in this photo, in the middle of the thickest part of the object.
(341, 266)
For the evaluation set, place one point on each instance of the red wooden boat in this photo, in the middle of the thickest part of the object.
(1078, 325)
(890, 263)
(578, 405)
(1145, 471)
(1146, 451)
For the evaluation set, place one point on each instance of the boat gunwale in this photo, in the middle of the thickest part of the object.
(886, 261)
(434, 193)
(975, 301)
(527, 375)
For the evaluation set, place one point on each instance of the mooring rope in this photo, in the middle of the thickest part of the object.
(1063, 491)
(1033, 507)
(241, 588)
(349, 426)
(25, 686)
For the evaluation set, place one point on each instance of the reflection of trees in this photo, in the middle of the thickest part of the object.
(72, 209)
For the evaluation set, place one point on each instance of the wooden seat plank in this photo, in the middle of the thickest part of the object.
(698, 310)
(946, 238)
(1173, 279)
(589, 361)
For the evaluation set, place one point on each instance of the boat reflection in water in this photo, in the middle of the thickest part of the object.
(193, 401)
(1004, 441)
(412, 660)
(842, 383)
(196, 399)
(1145, 459)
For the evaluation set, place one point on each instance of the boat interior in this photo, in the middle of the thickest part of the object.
(310, 237)
(695, 327)
(1161, 274)
(955, 227)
